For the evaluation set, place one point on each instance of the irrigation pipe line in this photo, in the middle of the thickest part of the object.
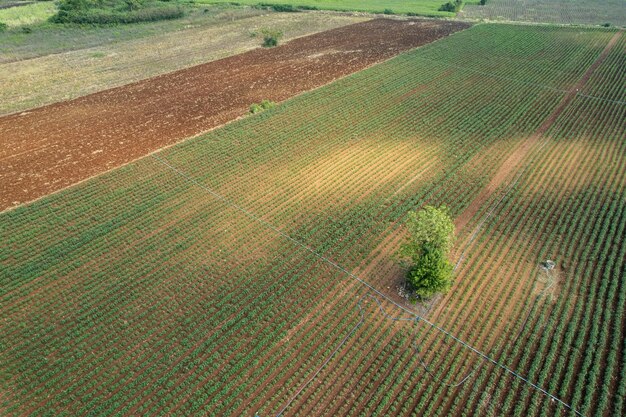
(601, 99)
(488, 75)
(486, 217)
(515, 80)
(431, 373)
(372, 288)
(332, 354)
(416, 318)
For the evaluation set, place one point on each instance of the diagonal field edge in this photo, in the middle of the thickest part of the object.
(366, 284)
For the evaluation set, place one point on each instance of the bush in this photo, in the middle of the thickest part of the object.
(387, 11)
(483, 2)
(126, 11)
(263, 105)
(3, 27)
(271, 37)
(108, 17)
(452, 6)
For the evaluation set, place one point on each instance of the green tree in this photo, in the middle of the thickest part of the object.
(431, 236)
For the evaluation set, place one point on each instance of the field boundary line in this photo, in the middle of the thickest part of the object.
(335, 265)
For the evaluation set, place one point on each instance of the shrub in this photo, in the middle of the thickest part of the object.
(483, 2)
(263, 105)
(107, 17)
(26, 29)
(387, 11)
(3, 27)
(271, 37)
(133, 4)
(452, 6)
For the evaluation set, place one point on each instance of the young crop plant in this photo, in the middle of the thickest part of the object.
(431, 235)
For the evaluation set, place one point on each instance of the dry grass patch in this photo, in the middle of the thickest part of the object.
(49, 79)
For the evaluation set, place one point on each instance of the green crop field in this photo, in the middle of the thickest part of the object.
(225, 276)
(421, 7)
(589, 12)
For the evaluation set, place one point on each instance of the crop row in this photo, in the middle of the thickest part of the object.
(590, 218)
(139, 292)
(550, 11)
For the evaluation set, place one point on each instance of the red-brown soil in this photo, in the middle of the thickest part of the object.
(52, 147)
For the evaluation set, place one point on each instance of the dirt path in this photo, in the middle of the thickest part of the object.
(512, 164)
(52, 147)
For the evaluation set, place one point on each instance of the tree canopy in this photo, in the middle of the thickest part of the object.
(431, 236)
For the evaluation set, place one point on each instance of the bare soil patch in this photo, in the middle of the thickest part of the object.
(52, 147)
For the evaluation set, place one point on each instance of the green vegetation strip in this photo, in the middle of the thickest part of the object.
(414, 7)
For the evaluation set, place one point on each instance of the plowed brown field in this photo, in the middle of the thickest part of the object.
(55, 146)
